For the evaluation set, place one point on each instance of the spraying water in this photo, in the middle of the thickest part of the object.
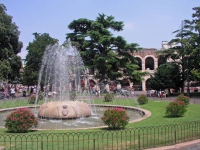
(60, 76)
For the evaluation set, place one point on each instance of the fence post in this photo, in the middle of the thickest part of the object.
(139, 142)
(93, 144)
(41, 145)
(175, 136)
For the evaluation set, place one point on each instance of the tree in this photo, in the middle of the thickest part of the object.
(166, 76)
(34, 57)
(193, 32)
(188, 40)
(108, 56)
(10, 46)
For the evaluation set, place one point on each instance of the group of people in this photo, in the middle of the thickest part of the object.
(155, 93)
(11, 90)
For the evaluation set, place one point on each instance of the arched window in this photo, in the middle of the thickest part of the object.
(139, 63)
(149, 63)
(137, 86)
(147, 85)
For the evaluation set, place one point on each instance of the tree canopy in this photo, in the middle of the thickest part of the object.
(10, 46)
(108, 56)
(34, 57)
(187, 39)
(166, 76)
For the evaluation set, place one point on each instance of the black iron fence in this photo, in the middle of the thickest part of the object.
(127, 139)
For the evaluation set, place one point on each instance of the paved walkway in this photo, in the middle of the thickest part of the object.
(192, 145)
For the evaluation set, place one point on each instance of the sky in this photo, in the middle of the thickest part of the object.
(146, 22)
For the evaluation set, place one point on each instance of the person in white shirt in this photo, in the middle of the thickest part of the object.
(12, 91)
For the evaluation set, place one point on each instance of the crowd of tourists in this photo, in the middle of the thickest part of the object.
(12, 90)
(154, 93)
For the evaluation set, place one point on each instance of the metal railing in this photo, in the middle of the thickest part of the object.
(126, 139)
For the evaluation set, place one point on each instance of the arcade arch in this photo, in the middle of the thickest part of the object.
(138, 86)
(149, 63)
(139, 63)
(147, 84)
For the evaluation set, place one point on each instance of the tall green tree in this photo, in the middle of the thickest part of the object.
(10, 46)
(108, 56)
(166, 76)
(188, 40)
(34, 57)
(193, 33)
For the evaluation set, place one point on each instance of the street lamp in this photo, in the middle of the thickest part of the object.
(188, 90)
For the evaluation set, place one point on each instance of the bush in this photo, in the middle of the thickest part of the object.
(109, 97)
(72, 95)
(176, 109)
(115, 118)
(32, 99)
(183, 98)
(142, 99)
(40, 96)
(21, 120)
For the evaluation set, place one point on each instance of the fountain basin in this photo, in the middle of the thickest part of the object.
(93, 121)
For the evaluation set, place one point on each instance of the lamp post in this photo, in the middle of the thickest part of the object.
(188, 90)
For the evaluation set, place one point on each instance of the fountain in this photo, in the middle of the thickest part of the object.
(61, 72)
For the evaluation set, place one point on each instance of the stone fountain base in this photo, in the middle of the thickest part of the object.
(64, 110)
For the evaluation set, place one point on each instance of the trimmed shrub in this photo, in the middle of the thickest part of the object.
(115, 118)
(40, 96)
(176, 109)
(142, 99)
(21, 120)
(109, 97)
(32, 99)
(183, 98)
(72, 95)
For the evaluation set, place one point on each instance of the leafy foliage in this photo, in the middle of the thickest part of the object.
(188, 40)
(32, 98)
(165, 77)
(176, 109)
(21, 120)
(183, 98)
(110, 57)
(72, 95)
(109, 97)
(34, 57)
(142, 99)
(10, 46)
(115, 118)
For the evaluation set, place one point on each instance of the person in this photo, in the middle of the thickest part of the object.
(34, 90)
(133, 89)
(164, 94)
(98, 91)
(160, 93)
(12, 91)
(5, 92)
(50, 94)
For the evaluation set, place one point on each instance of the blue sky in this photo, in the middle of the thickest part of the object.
(147, 22)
